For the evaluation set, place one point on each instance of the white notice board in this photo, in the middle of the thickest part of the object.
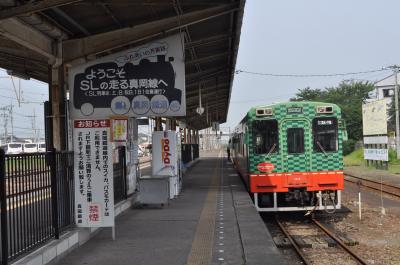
(376, 154)
(93, 173)
(374, 117)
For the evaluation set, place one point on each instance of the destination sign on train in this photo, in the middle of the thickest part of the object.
(294, 110)
(325, 122)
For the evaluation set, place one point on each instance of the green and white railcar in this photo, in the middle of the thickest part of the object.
(290, 155)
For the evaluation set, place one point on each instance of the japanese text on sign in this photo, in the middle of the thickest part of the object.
(376, 154)
(148, 80)
(93, 178)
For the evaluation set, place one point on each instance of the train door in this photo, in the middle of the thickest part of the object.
(246, 148)
(296, 145)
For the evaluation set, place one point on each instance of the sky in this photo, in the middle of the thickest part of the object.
(279, 37)
(28, 113)
(310, 37)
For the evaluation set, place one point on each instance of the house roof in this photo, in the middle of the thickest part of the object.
(388, 81)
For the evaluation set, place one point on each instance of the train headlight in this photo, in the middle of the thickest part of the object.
(324, 109)
(264, 112)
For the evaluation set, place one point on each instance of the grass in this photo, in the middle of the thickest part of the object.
(395, 169)
(356, 158)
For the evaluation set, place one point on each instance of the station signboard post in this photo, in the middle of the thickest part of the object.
(375, 133)
(105, 95)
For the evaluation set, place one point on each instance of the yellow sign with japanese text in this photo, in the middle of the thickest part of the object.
(119, 130)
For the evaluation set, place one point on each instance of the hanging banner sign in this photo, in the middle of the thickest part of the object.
(93, 169)
(148, 80)
(376, 154)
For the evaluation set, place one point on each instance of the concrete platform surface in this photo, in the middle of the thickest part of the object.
(213, 221)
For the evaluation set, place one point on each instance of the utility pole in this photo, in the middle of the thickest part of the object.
(12, 122)
(17, 93)
(395, 69)
(34, 130)
(4, 115)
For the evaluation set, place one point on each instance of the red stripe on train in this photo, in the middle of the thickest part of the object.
(282, 182)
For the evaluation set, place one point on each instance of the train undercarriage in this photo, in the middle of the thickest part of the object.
(298, 200)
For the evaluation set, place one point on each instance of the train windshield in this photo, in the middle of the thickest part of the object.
(295, 140)
(325, 135)
(265, 136)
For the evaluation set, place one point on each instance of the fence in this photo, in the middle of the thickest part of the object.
(65, 189)
(36, 200)
(190, 152)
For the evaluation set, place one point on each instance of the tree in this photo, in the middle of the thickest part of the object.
(308, 94)
(348, 96)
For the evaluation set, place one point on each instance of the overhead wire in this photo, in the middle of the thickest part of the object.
(28, 100)
(375, 73)
(25, 92)
(239, 71)
(23, 128)
(24, 102)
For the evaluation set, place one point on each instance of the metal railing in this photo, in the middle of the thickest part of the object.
(65, 189)
(190, 152)
(36, 200)
(196, 153)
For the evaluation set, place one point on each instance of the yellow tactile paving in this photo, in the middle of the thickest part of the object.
(202, 246)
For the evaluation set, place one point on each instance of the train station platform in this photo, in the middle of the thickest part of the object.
(213, 221)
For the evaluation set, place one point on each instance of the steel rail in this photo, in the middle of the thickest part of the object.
(375, 188)
(372, 181)
(348, 250)
(294, 244)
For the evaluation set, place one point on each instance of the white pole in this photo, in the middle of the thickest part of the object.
(396, 100)
(359, 205)
(359, 199)
(383, 211)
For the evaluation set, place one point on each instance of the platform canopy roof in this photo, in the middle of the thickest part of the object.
(33, 32)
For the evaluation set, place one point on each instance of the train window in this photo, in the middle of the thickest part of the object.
(241, 144)
(295, 140)
(265, 136)
(325, 135)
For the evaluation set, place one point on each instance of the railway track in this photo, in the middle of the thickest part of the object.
(319, 231)
(374, 185)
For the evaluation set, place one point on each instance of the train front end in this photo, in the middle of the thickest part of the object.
(295, 156)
